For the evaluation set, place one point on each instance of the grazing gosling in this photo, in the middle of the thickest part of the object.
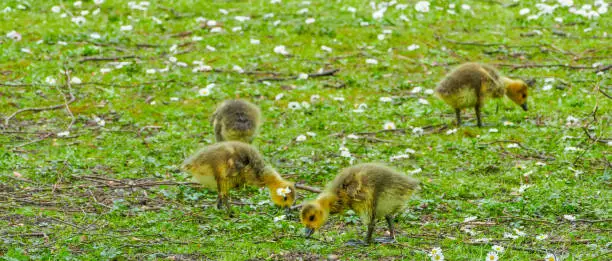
(236, 120)
(230, 164)
(371, 190)
(470, 84)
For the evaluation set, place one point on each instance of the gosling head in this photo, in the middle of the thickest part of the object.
(283, 194)
(516, 90)
(313, 216)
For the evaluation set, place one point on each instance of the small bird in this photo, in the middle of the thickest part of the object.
(371, 190)
(236, 120)
(226, 165)
(470, 84)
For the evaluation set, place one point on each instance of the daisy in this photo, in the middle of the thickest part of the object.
(469, 219)
(352, 137)
(300, 138)
(371, 61)
(413, 47)
(302, 76)
(56, 9)
(63, 134)
(255, 41)
(399, 157)
(315, 98)
(541, 237)
(311, 134)
(569, 217)
(281, 49)
(325, 48)
(279, 218)
(492, 256)
(14, 35)
(305, 105)
(423, 7)
(566, 3)
(50, 80)
(211, 23)
(151, 71)
(385, 99)
(79, 20)
(75, 80)
(98, 2)
(283, 191)
(437, 257)
(310, 20)
(449, 132)
(126, 28)
(379, 14)
(344, 152)
(492, 130)
(416, 89)
(550, 257)
(524, 11)
(238, 69)
(105, 70)
(242, 18)
(294, 106)
(216, 30)
(498, 248)
(389, 125)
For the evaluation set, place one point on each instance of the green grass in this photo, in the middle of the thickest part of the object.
(73, 197)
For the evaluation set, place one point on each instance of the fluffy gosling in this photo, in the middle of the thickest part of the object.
(470, 84)
(371, 190)
(236, 120)
(230, 164)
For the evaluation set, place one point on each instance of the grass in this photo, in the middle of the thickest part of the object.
(74, 188)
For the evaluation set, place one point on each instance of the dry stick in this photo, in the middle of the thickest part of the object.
(605, 94)
(68, 84)
(112, 58)
(308, 188)
(310, 75)
(522, 66)
(603, 69)
(137, 185)
(39, 109)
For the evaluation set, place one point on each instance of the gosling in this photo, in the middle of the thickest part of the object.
(226, 165)
(371, 190)
(470, 84)
(236, 120)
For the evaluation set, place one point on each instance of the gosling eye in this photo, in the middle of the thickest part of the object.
(311, 218)
(524, 95)
(285, 198)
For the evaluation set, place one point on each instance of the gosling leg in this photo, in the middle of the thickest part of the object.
(458, 114)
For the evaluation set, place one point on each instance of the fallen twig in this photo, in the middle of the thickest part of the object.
(111, 58)
(307, 188)
(310, 75)
(39, 109)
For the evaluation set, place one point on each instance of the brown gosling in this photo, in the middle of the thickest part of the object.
(226, 165)
(371, 190)
(470, 84)
(236, 120)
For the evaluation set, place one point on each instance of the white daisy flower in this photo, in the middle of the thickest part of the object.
(416, 89)
(105, 70)
(216, 30)
(415, 171)
(279, 96)
(325, 48)
(99, 121)
(305, 105)
(389, 125)
(279, 218)
(492, 256)
(541, 237)
(569, 217)
(275, 1)
(84, 13)
(449, 132)
(302, 76)
(151, 71)
(570, 148)
(518, 232)
(300, 138)
(202, 68)
(63, 134)
(340, 99)
(524, 11)
(381, 37)
(95, 12)
(423, 101)
(75, 80)
(371, 61)
(465, 7)
(310, 20)
(344, 152)
(311, 134)
(437, 257)
(79, 20)
(429, 91)
(283, 191)
(50, 80)
(242, 18)
(302, 11)
(78, 4)
(211, 23)
(26, 50)
(422, 6)
(550, 257)
(364, 23)
(352, 136)
(351, 9)
(510, 235)
(95, 36)
(294, 106)
(223, 11)
(98, 2)
(196, 38)
(281, 49)
(572, 121)
(566, 3)
(126, 28)
(379, 14)
(399, 157)
(237, 69)
(255, 41)
(469, 219)
(56, 9)
(174, 99)
(237, 29)
(498, 248)
(14, 35)
(276, 23)
(493, 130)
(435, 251)
(314, 98)
(404, 18)
(385, 99)
(413, 47)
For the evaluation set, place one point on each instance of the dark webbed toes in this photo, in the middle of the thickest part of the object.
(356, 243)
(385, 240)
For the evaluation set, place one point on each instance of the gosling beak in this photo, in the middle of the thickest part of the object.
(308, 232)
(524, 106)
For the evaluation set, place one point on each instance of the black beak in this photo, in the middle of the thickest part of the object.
(308, 232)
(524, 106)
